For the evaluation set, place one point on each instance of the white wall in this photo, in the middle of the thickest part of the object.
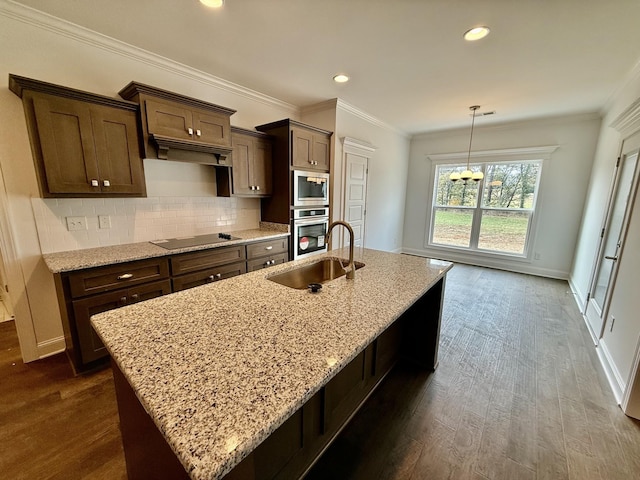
(564, 181)
(387, 177)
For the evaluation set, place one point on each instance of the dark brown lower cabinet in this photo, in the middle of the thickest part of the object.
(91, 347)
(291, 450)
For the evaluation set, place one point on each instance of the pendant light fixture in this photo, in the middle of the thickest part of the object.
(468, 174)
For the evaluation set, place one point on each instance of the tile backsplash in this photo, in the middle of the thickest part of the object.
(138, 219)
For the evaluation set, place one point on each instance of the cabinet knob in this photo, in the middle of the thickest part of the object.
(134, 297)
(106, 183)
(251, 187)
(94, 183)
(198, 133)
(211, 278)
(123, 300)
(258, 187)
(190, 131)
(125, 276)
(218, 276)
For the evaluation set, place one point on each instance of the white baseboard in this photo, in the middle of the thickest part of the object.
(515, 266)
(616, 382)
(579, 295)
(51, 347)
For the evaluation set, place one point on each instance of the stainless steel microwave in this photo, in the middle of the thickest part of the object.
(310, 189)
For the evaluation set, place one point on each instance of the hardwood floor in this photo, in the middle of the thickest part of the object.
(54, 425)
(518, 394)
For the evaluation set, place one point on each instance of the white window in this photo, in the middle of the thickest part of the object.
(492, 216)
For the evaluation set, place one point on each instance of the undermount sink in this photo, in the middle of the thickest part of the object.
(317, 272)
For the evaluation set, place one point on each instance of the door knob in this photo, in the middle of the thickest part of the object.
(608, 257)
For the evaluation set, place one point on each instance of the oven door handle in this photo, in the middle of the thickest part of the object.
(311, 221)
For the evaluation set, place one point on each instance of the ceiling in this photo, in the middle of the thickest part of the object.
(408, 63)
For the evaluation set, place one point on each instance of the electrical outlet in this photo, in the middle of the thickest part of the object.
(104, 221)
(76, 223)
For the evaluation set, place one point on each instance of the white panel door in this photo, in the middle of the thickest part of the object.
(356, 196)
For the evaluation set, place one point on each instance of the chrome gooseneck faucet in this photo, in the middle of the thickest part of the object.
(351, 273)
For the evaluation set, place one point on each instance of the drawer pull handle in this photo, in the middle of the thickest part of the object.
(106, 183)
(270, 247)
(198, 133)
(94, 183)
(125, 276)
(190, 131)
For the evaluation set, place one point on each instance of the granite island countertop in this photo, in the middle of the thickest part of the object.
(219, 367)
(99, 256)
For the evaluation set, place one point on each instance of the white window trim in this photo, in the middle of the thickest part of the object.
(542, 153)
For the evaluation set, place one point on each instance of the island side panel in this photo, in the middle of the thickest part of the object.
(423, 320)
(147, 454)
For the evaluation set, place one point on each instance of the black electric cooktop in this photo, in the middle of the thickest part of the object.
(194, 241)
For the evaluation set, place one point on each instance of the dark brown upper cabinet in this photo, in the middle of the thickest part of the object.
(250, 175)
(83, 144)
(310, 150)
(177, 127)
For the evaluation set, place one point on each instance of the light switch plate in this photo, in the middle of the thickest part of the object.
(76, 223)
(104, 221)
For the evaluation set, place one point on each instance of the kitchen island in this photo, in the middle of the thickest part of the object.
(251, 379)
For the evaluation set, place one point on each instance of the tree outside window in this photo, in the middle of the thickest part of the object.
(493, 215)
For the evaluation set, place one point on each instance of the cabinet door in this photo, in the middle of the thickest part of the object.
(117, 150)
(168, 119)
(242, 157)
(321, 152)
(210, 127)
(91, 347)
(260, 170)
(66, 140)
(301, 148)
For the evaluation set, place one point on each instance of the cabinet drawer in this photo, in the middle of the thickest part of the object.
(268, 247)
(104, 279)
(209, 275)
(260, 263)
(204, 259)
(91, 347)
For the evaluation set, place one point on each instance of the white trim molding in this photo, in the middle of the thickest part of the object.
(628, 122)
(355, 111)
(358, 147)
(617, 383)
(51, 347)
(84, 35)
(525, 153)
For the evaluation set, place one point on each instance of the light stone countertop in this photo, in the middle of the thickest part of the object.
(220, 367)
(96, 257)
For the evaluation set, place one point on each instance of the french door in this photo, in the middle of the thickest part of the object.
(613, 233)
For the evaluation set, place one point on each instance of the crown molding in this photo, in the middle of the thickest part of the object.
(58, 26)
(330, 104)
(632, 77)
(628, 122)
(525, 153)
(357, 146)
(346, 107)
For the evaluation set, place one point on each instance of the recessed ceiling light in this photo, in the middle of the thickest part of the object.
(476, 33)
(212, 3)
(341, 78)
